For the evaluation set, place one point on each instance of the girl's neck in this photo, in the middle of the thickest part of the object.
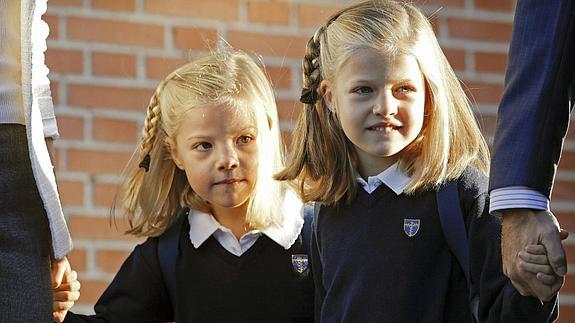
(372, 166)
(233, 219)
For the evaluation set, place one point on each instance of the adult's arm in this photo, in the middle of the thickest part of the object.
(532, 122)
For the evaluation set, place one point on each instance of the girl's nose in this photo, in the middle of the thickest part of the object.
(385, 105)
(228, 159)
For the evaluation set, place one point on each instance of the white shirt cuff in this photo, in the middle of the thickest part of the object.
(517, 197)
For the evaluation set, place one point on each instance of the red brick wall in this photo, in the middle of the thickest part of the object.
(106, 57)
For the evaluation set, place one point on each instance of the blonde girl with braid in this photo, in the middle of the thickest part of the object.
(386, 125)
(204, 169)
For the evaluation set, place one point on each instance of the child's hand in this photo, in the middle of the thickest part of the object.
(534, 260)
(66, 289)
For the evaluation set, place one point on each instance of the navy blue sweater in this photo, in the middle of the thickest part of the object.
(212, 285)
(368, 269)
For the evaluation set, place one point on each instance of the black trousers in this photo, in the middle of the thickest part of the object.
(25, 241)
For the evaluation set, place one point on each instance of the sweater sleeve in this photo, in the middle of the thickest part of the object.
(137, 293)
(499, 301)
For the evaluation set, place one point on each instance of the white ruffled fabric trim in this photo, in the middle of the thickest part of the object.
(40, 83)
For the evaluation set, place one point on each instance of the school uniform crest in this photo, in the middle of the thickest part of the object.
(411, 226)
(299, 262)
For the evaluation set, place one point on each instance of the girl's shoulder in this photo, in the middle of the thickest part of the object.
(472, 182)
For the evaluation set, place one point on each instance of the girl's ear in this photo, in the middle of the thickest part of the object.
(174, 154)
(327, 94)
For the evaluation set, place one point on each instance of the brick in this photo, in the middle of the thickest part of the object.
(268, 12)
(567, 161)
(113, 64)
(94, 96)
(104, 194)
(490, 62)
(563, 190)
(224, 10)
(54, 91)
(480, 92)
(566, 313)
(91, 290)
(271, 45)
(108, 31)
(288, 111)
(499, 5)
(56, 161)
(71, 192)
(96, 162)
(65, 3)
(280, 76)
(571, 133)
(52, 22)
(435, 25)
(456, 58)
(194, 38)
(78, 260)
(479, 30)
(314, 15)
(118, 131)
(569, 286)
(71, 127)
(100, 228)
(116, 5)
(567, 222)
(157, 68)
(65, 61)
(111, 260)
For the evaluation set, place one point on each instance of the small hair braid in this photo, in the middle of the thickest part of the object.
(311, 70)
(150, 127)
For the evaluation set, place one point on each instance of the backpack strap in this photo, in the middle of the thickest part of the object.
(168, 248)
(306, 231)
(455, 234)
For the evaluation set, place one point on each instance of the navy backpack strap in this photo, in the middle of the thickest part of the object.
(310, 213)
(455, 233)
(168, 253)
(306, 231)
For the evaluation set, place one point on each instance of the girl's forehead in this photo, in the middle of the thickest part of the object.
(222, 115)
(369, 63)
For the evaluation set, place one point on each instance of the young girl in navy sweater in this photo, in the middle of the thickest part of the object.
(210, 147)
(386, 124)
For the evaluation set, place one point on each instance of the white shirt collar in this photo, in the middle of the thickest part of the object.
(203, 225)
(392, 177)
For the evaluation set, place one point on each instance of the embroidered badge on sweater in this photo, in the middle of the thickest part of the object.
(411, 226)
(299, 262)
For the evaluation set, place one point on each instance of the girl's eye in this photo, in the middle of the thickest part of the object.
(362, 90)
(245, 139)
(404, 89)
(203, 146)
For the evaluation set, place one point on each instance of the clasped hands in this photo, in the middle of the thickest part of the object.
(532, 253)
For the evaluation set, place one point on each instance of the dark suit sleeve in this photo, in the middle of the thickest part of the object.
(499, 301)
(137, 293)
(534, 112)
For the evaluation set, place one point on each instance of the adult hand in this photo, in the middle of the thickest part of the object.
(522, 227)
(66, 288)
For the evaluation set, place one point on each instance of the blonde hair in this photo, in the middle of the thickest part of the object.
(155, 189)
(324, 161)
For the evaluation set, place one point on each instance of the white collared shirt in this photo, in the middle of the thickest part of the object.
(204, 225)
(392, 177)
